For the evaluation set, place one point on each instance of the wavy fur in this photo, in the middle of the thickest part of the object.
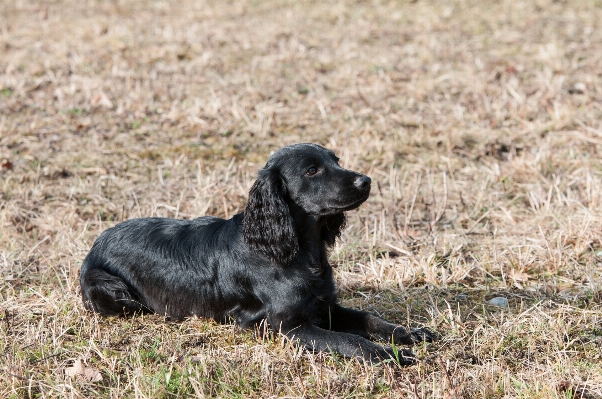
(268, 220)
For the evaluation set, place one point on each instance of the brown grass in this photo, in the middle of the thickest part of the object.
(479, 122)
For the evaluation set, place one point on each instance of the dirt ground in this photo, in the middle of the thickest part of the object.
(480, 123)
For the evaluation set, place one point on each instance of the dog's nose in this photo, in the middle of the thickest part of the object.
(362, 182)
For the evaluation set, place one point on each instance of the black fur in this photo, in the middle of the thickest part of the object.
(268, 263)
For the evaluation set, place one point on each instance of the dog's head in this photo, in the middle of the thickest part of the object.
(300, 184)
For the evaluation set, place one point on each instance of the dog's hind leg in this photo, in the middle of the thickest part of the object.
(108, 294)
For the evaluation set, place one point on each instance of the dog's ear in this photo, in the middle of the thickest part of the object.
(331, 230)
(268, 225)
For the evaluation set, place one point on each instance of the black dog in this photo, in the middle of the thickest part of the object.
(268, 263)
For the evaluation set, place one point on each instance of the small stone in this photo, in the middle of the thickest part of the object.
(461, 297)
(599, 254)
(499, 301)
(578, 88)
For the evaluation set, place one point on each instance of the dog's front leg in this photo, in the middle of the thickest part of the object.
(317, 339)
(369, 325)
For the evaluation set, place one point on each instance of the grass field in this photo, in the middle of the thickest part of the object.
(480, 123)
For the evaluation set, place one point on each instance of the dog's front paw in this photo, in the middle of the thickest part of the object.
(422, 335)
(413, 335)
(402, 356)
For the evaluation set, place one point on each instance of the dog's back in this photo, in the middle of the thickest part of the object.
(131, 264)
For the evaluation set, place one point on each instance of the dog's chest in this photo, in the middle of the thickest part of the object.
(318, 266)
(322, 281)
(317, 269)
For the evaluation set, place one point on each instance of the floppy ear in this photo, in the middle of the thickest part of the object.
(331, 230)
(267, 224)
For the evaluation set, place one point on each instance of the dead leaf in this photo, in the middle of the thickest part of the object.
(5, 164)
(100, 98)
(518, 275)
(79, 370)
(575, 391)
(197, 358)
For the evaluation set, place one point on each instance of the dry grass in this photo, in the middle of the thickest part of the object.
(479, 121)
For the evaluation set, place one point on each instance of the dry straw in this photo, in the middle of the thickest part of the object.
(479, 122)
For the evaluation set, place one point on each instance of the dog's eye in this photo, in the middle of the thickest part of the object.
(311, 171)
